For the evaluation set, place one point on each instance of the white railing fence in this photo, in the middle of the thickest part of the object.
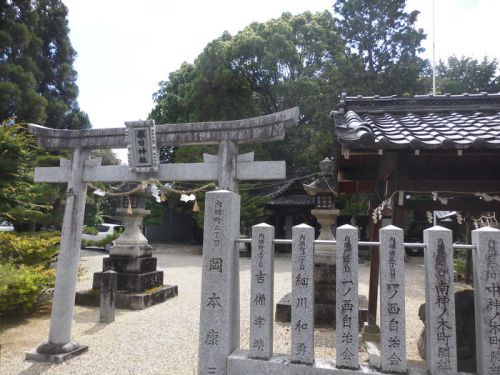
(219, 343)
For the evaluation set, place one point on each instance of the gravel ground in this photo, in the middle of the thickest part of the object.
(164, 338)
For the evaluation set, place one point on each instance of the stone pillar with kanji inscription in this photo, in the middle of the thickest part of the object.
(261, 298)
(441, 336)
(487, 299)
(219, 306)
(346, 338)
(302, 322)
(392, 300)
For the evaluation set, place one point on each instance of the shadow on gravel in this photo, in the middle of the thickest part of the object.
(37, 368)
(17, 318)
(98, 327)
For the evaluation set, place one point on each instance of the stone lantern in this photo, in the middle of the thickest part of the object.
(139, 283)
(324, 190)
(132, 241)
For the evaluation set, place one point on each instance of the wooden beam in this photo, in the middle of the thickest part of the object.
(475, 205)
(466, 186)
(356, 187)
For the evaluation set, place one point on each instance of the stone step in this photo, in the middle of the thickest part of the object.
(123, 264)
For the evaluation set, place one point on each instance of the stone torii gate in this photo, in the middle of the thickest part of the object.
(81, 169)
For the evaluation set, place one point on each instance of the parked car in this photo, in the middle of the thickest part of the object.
(5, 226)
(104, 230)
(414, 251)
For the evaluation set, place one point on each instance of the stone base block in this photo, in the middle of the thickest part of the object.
(55, 358)
(129, 300)
(371, 333)
(134, 251)
(324, 314)
(133, 282)
(123, 264)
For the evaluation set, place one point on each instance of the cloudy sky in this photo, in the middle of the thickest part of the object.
(125, 47)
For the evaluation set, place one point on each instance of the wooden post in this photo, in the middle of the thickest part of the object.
(374, 276)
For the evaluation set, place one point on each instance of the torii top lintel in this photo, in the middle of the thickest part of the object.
(266, 128)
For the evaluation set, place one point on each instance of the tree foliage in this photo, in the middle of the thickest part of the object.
(265, 68)
(383, 45)
(37, 79)
(17, 151)
(466, 74)
(303, 60)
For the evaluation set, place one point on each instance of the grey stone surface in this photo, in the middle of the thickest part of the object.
(326, 218)
(392, 300)
(67, 266)
(346, 338)
(132, 282)
(108, 297)
(440, 301)
(257, 170)
(324, 269)
(128, 264)
(373, 353)
(132, 235)
(486, 263)
(240, 364)
(209, 158)
(302, 323)
(219, 307)
(324, 314)
(258, 129)
(228, 151)
(262, 292)
(55, 358)
(465, 328)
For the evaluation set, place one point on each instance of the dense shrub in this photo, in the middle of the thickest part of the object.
(101, 243)
(36, 249)
(25, 271)
(20, 286)
(90, 230)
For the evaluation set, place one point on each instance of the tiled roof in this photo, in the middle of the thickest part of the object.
(283, 188)
(292, 200)
(420, 122)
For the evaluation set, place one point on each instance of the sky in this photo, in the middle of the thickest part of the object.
(126, 47)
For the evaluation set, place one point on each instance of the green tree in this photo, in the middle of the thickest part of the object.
(466, 74)
(265, 68)
(96, 207)
(37, 79)
(21, 201)
(382, 44)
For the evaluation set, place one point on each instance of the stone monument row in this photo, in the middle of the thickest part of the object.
(132, 256)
